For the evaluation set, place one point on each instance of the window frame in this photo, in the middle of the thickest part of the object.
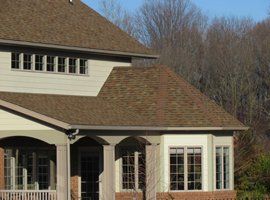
(27, 62)
(136, 168)
(45, 63)
(185, 147)
(215, 167)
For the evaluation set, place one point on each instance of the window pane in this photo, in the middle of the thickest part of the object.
(50, 63)
(226, 164)
(72, 69)
(61, 64)
(177, 168)
(83, 66)
(222, 168)
(27, 61)
(39, 62)
(128, 170)
(15, 60)
(194, 168)
(43, 172)
(7, 169)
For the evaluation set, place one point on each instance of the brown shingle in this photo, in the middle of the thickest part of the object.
(59, 22)
(153, 96)
(164, 98)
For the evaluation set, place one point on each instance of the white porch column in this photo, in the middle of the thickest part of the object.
(108, 183)
(62, 171)
(151, 171)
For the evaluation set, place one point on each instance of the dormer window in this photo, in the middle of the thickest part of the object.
(27, 61)
(49, 64)
(72, 66)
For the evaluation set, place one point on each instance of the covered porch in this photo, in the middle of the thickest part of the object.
(84, 167)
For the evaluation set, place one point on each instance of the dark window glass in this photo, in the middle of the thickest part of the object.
(27, 61)
(177, 169)
(15, 60)
(194, 156)
(39, 62)
(128, 170)
(50, 63)
(61, 64)
(72, 69)
(83, 66)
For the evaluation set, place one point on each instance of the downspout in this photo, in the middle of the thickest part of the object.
(71, 136)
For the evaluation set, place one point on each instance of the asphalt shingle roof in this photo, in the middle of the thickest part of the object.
(132, 96)
(59, 22)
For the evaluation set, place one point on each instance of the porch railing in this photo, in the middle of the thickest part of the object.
(27, 195)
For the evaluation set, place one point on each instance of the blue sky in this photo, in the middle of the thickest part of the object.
(256, 9)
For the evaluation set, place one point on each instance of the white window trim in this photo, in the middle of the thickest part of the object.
(186, 168)
(21, 61)
(215, 166)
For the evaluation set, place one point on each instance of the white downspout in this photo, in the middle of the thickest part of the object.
(71, 136)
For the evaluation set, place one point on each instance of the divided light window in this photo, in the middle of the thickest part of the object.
(39, 62)
(185, 168)
(222, 168)
(15, 60)
(27, 61)
(61, 64)
(50, 63)
(72, 68)
(83, 66)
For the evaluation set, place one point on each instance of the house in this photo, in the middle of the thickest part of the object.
(78, 121)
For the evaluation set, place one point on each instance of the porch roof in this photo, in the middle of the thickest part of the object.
(134, 98)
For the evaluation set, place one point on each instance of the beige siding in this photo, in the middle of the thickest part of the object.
(36, 82)
(10, 121)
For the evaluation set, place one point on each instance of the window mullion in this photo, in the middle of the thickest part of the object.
(185, 169)
(136, 157)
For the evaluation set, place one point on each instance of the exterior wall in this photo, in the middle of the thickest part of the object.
(52, 83)
(225, 195)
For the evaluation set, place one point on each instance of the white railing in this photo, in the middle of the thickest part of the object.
(27, 195)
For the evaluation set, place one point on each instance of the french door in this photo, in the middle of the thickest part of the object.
(90, 172)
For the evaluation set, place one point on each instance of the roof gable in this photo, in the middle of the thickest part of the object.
(63, 23)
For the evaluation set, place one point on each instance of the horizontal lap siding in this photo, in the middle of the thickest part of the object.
(40, 82)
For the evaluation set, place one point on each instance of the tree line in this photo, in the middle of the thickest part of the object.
(227, 58)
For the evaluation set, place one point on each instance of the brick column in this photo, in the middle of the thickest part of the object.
(151, 172)
(108, 183)
(62, 172)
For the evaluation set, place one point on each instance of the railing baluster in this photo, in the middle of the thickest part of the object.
(27, 195)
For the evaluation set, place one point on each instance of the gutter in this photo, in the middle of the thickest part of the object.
(79, 49)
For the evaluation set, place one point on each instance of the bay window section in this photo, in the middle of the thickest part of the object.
(222, 168)
(185, 168)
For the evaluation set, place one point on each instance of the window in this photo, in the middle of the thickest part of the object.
(50, 63)
(15, 60)
(72, 69)
(222, 168)
(39, 62)
(186, 168)
(83, 66)
(61, 64)
(27, 61)
(26, 170)
(133, 170)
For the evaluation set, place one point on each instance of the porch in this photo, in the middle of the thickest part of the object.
(85, 168)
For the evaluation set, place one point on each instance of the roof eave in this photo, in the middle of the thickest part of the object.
(78, 49)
